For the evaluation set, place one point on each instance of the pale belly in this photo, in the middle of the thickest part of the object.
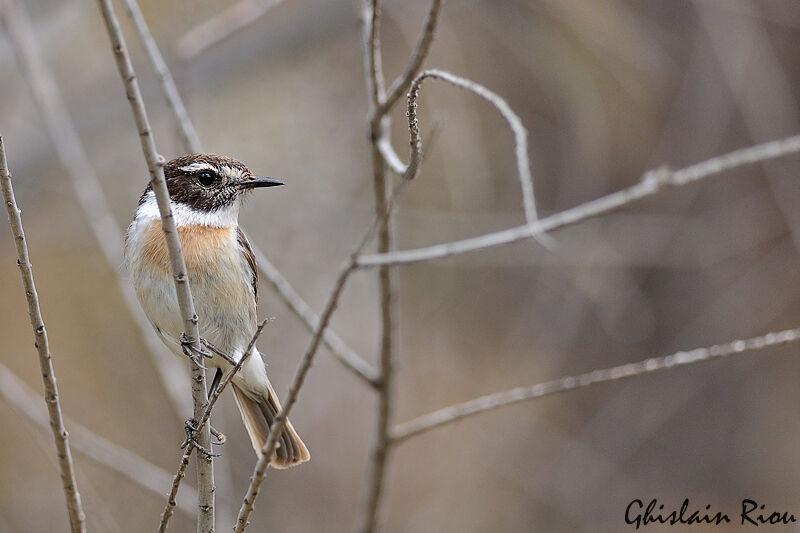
(220, 281)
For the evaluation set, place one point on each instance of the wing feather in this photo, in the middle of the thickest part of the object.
(250, 258)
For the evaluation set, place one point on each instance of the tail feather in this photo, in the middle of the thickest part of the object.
(258, 413)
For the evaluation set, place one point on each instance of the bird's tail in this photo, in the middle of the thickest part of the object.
(259, 410)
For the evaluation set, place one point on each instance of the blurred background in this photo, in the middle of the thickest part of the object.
(607, 90)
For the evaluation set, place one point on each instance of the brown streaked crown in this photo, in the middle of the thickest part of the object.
(206, 182)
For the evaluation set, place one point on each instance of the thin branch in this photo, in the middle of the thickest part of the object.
(86, 185)
(390, 156)
(482, 404)
(387, 283)
(373, 64)
(112, 456)
(222, 26)
(260, 470)
(514, 122)
(393, 161)
(191, 143)
(176, 480)
(402, 83)
(77, 518)
(212, 400)
(173, 491)
(346, 355)
(421, 50)
(653, 183)
(155, 163)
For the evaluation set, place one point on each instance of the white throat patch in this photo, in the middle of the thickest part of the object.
(187, 216)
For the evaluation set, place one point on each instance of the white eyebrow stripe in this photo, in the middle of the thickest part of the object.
(199, 166)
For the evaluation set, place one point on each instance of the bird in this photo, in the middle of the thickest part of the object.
(206, 193)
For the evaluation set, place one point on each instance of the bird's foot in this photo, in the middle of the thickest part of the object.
(190, 351)
(191, 426)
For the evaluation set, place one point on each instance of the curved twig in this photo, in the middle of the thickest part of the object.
(514, 122)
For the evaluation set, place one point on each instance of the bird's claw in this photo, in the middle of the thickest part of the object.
(191, 426)
(189, 349)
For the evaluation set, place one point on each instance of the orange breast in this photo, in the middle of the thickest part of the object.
(200, 244)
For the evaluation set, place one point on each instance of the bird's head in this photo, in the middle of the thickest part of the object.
(211, 182)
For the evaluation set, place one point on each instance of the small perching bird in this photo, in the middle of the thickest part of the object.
(206, 192)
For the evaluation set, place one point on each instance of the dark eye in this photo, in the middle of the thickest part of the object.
(206, 178)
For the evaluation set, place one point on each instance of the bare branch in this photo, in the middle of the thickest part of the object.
(482, 404)
(191, 143)
(77, 519)
(268, 449)
(347, 356)
(86, 185)
(173, 491)
(520, 134)
(391, 158)
(212, 400)
(423, 46)
(178, 477)
(205, 469)
(112, 456)
(653, 183)
(387, 284)
(260, 471)
(373, 64)
(222, 26)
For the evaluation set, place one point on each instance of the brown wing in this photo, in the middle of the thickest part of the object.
(244, 244)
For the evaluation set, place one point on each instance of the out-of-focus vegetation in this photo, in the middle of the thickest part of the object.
(607, 90)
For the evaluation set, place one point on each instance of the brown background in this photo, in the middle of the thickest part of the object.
(607, 89)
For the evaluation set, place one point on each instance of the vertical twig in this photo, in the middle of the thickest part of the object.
(382, 155)
(86, 185)
(155, 164)
(215, 394)
(379, 124)
(191, 144)
(77, 519)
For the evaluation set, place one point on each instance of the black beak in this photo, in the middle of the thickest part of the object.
(260, 182)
